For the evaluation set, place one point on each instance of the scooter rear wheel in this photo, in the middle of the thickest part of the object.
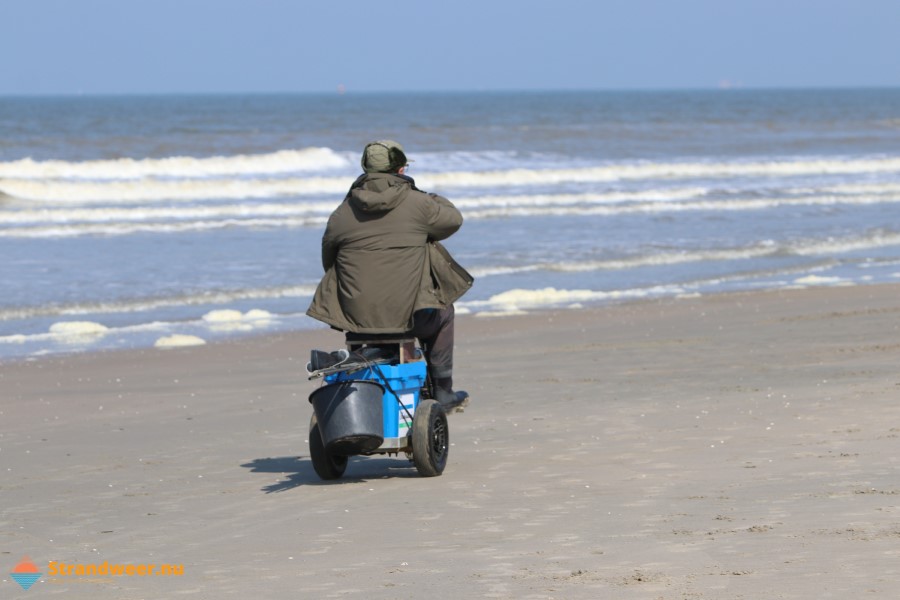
(430, 438)
(327, 465)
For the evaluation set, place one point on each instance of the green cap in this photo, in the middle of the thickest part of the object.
(383, 156)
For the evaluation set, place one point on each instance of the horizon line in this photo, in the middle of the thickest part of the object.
(343, 91)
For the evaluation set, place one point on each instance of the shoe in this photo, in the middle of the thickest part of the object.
(451, 401)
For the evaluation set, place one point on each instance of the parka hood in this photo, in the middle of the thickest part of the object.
(380, 192)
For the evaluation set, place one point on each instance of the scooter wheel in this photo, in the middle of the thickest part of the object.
(430, 438)
(327, 465)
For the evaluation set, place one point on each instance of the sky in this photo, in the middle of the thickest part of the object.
(260, 46)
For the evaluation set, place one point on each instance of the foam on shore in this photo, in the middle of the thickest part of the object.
(179, 341)
(513, 302)
(226, 320)
(820, 280)
(77, 332)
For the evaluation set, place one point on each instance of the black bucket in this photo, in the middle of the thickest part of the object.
(350, 416)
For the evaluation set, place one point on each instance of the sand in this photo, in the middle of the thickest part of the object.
(737, 446)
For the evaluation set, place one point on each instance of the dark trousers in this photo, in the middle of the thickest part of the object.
(434, 329)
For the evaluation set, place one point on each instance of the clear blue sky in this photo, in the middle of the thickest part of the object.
(163, 46)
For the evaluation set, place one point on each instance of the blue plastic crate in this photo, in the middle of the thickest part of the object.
(405, 379)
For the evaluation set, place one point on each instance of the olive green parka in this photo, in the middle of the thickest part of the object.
(380, 263)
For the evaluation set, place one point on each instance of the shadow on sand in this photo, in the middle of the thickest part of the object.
(298, 470)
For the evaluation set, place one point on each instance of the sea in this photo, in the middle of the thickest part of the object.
(139, 221)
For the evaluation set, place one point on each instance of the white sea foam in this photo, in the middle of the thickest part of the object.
(880, 264)
(68, 182)
(123, 217)
(875, 239)
(66, 221)
(117, 229)
(223, 316)
(20, 339)
(666, 258)
(520, 300)
(107, 214)
(66, 328)
(137, 305)
(179, 341)
(667, 206)
(540, 200)
(810, 247)
(490, 271)
(258, 314)
(283, 161)
(820, 280)
(321, 159)
(662, 171)
(500, 313)
(234, 320)
(68, 335)
(77, 332)
(149, 190)
(516, 301)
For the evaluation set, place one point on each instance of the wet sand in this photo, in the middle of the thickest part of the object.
(737, 446)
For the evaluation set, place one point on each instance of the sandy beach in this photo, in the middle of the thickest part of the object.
(732, 446)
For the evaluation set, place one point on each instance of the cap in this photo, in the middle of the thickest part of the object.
(383, 156)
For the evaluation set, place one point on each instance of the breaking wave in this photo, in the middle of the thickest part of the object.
(136, 305)
(65, 220)
(810, 247)
(325, 172)
(283, 161)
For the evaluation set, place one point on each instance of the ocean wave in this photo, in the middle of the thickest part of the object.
(136, 305)
(68, 221)
(227, 183)
(147, 191)
(283, 161)
(116, 229)
(807, 247)
(663, 171)
(516, 301)
(874, 239)
(520, 300)
(55, 214)
(671, 194)
(69, 335)
(666, 206)
(67, 193)
(163, 214)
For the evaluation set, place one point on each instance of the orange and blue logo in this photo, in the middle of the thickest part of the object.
(26, 573)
